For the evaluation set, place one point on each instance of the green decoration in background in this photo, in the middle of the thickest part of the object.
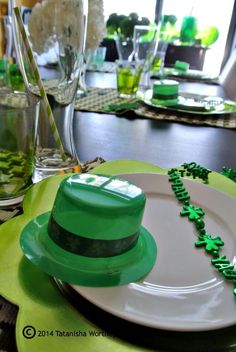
(168, 30)
(3, 72)
(124, 24)
(15, 77)
(209, 36)
(188, 30)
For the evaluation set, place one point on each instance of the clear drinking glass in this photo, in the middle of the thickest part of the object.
(159, 59)
(57, 33)
(145, 48)
(125, 47)
(97, 58)
(128, 75)
(19, 117)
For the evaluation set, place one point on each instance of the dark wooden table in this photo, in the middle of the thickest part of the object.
(162, 143)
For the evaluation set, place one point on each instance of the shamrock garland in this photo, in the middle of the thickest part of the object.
(230, 173)
(212, 245)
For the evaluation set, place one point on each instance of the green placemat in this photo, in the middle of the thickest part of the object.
(98, 99)
(224, 121)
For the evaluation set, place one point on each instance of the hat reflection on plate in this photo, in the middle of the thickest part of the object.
(93, 235)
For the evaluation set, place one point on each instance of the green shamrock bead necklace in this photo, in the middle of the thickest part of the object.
(211, 244)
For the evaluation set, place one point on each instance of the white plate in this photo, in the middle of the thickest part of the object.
(183, 292)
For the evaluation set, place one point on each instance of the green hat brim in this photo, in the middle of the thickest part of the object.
(75, 269)
(167, 102)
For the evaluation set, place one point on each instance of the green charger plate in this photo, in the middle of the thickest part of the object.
(41, 304)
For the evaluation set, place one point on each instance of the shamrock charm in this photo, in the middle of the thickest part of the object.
(212, 244)
(192, 212)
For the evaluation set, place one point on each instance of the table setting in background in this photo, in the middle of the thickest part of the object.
(144, 86)
(108, 101)
(100, 254)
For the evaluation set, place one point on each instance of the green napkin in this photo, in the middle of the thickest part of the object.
(121, 106)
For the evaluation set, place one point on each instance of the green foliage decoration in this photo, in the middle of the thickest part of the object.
(124, 24)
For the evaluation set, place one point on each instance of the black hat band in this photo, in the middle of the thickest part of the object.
(86, 246)
(165, 97)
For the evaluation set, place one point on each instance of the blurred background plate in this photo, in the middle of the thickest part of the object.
(194, 104)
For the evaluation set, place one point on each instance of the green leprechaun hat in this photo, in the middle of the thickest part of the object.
(93, 235)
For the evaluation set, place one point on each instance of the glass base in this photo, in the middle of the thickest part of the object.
(50, 163)
(127, 96)
(81, 93)
(42, 173)
(5, 203)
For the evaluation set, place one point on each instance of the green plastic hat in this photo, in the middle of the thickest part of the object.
(93, 235)
(165, 92)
